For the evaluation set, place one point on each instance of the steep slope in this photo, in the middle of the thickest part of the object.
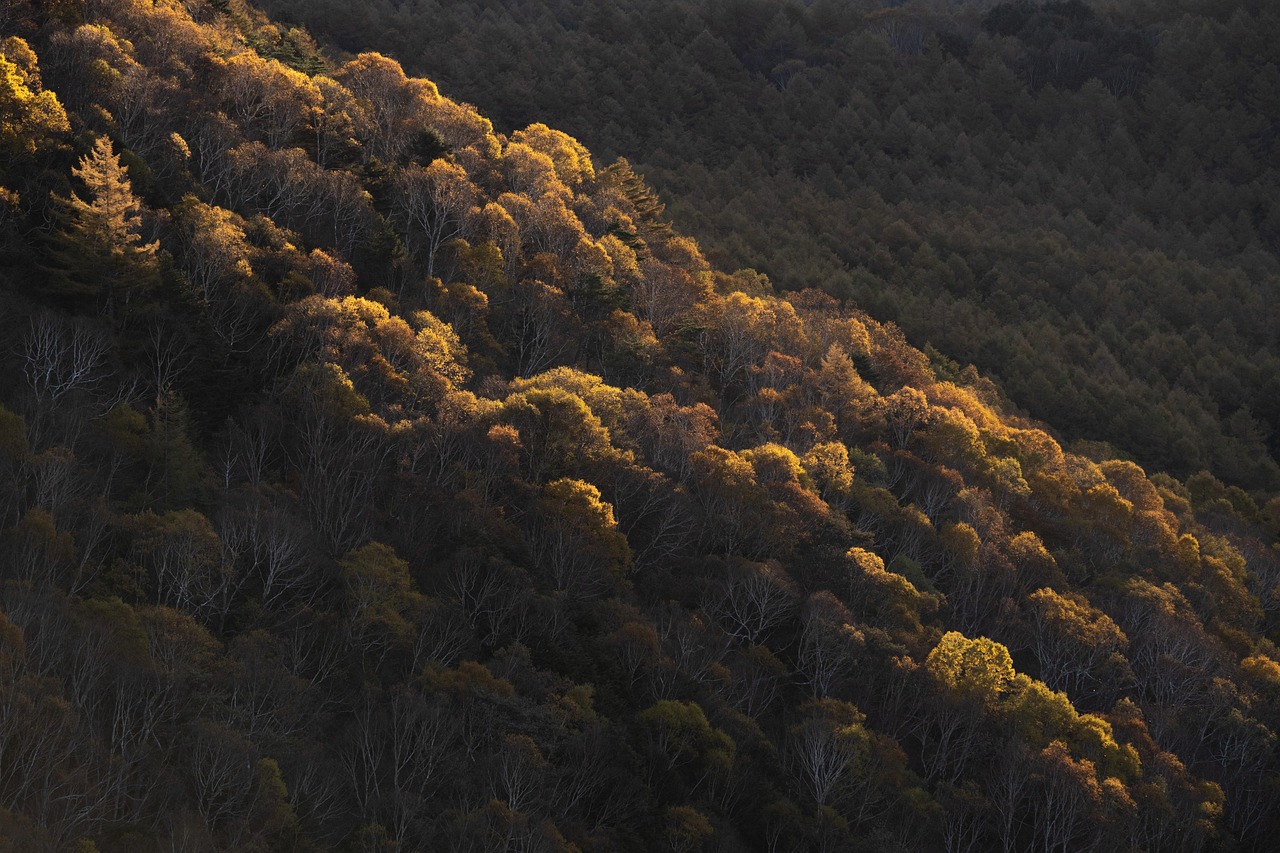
(1076, 197)
(375, 481)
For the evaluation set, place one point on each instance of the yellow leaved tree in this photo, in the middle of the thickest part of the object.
(97, 253)
(29, 115)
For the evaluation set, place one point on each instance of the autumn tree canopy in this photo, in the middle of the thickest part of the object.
(372, 478)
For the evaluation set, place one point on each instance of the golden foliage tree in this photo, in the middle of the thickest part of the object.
(98, 253)
(29, 115)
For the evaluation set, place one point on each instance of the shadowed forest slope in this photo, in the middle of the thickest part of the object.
(1079, 198)
(372, 480)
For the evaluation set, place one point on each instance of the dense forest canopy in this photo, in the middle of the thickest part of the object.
(374, 480)
(1077, 197)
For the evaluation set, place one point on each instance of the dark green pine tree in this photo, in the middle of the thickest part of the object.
(649, 209)
(96, 258)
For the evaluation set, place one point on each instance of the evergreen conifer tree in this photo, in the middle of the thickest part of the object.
(97, 255)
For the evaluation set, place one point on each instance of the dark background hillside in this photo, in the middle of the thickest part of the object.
(1079, 198)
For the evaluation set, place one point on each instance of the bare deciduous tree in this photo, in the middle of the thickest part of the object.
(750, 599)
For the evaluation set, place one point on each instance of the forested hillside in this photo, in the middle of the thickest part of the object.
(1078, 197)
(371, 480)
